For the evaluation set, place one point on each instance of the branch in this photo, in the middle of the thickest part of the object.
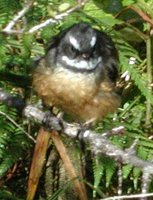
(142, 14)
(15, 102)
(134, 196)
(56, 18)
(12, 101)
(8, 28)
(149, 82)
(18, 126)
(99, 143)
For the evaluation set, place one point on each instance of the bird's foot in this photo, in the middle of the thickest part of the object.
(84, 127)
(51, 122)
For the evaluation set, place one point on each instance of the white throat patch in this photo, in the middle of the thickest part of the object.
(74, 43)
(82, 64)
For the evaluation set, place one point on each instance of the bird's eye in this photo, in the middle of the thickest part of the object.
(74, 51)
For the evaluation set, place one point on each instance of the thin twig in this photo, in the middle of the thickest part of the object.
(120, 179)
(149, 82)
(146, 179)
(134, 196)
(56, 18)
(18, 126)
(141, 13)
(8, 28)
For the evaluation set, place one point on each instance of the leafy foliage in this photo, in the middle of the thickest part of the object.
(130, 30)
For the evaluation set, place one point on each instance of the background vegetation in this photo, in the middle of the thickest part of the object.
(129, 23)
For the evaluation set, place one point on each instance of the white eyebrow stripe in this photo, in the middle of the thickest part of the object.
(93, 41)
(74, 42)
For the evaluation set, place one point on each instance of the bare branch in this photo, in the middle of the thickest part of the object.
(98, 141)
(120, 179)
(134, 196)
(56, 18)
(8, 28)
(17, 125)
(146, 179)
(12, 101)
(15, 102)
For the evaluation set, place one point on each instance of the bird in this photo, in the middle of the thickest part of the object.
(78, 73)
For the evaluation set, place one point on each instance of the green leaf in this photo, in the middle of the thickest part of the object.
(142, 152)
(63, 7)
(106, 19)
(98, 170)
(128, 2)
(126, 170)
(109, 6)
(136, 176)
(110, 168)
(5, 195)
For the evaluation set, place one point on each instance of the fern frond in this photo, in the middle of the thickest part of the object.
(13, 141)
(103, 166)
(126, 170)
(140, 82)
(136, 177)
(135, 73)
(98, 170)
(110, 168)
(6, 6)
(5, 194)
